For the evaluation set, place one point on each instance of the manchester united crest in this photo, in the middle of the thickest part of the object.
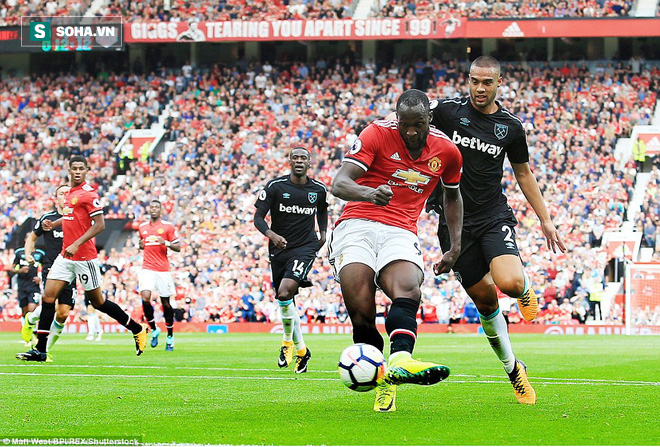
(161, 231)
(74, 200)
(434, 164)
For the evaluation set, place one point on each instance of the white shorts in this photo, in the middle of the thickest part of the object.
(88, 273)
(373, 244)
(161, 282)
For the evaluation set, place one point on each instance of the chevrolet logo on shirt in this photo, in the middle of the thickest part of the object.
(411, 177)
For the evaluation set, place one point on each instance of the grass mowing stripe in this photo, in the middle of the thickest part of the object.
(534, 379)
(311, 379)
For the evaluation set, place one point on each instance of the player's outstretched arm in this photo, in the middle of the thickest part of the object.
(49, 225)
(345, 187)
(532, 192)
(453, 208)
(30, 242)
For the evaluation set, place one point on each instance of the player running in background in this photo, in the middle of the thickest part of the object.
(29, 289)
(82, 219)
(486, 133)
(156, 237)
(53, 242)
(292, 200)
(94, 328)
(386, 177)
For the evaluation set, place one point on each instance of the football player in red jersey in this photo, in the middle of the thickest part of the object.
(82, 219)
(156, 236)
(386, 177)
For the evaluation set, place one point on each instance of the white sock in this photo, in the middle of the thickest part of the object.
(55, 331)
(93, 323)
(288, 310)
(297, 334)
(498, 336)
(527, 284)
(35, 315)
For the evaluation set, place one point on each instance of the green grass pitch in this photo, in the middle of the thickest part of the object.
(227, 389)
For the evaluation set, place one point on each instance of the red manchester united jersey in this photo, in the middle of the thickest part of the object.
(82, 203)
(155, 253)
(381, 152)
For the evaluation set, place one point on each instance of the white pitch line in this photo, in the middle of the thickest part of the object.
(200, 368)
(156, 376)
(311, 379)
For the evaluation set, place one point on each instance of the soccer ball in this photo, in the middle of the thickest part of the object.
(361, 367)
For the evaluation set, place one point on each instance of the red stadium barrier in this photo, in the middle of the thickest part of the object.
(217, 328)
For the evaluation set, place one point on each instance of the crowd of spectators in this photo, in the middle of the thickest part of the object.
(504, 9)
(11, 11)
(648, 219)
(205, 10)
(229, 130)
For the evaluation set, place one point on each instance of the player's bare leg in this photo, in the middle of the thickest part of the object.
(359, 292)
(484, 296)
(508, 274)
(29, 308)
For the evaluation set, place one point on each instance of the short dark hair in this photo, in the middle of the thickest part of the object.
(486, 62)
(302, 148)
(78, 159)
(155, 201)
(414, 98)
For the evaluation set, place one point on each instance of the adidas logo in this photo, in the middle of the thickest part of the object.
(513, 30)
(395, 156)
(653, 145)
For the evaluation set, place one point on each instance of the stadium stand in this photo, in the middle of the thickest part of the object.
(11, 11)
(648, 220)
(228, 10)
(505, 9)
(229, 129)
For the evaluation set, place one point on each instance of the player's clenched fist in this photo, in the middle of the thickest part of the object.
(277, 240)
(382, 195)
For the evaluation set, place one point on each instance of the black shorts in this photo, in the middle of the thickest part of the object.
(294, 264)
(66, 296)
(480, 244)
(26, 297)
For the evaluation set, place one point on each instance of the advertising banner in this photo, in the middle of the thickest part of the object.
(282, 30)
(387, 28)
